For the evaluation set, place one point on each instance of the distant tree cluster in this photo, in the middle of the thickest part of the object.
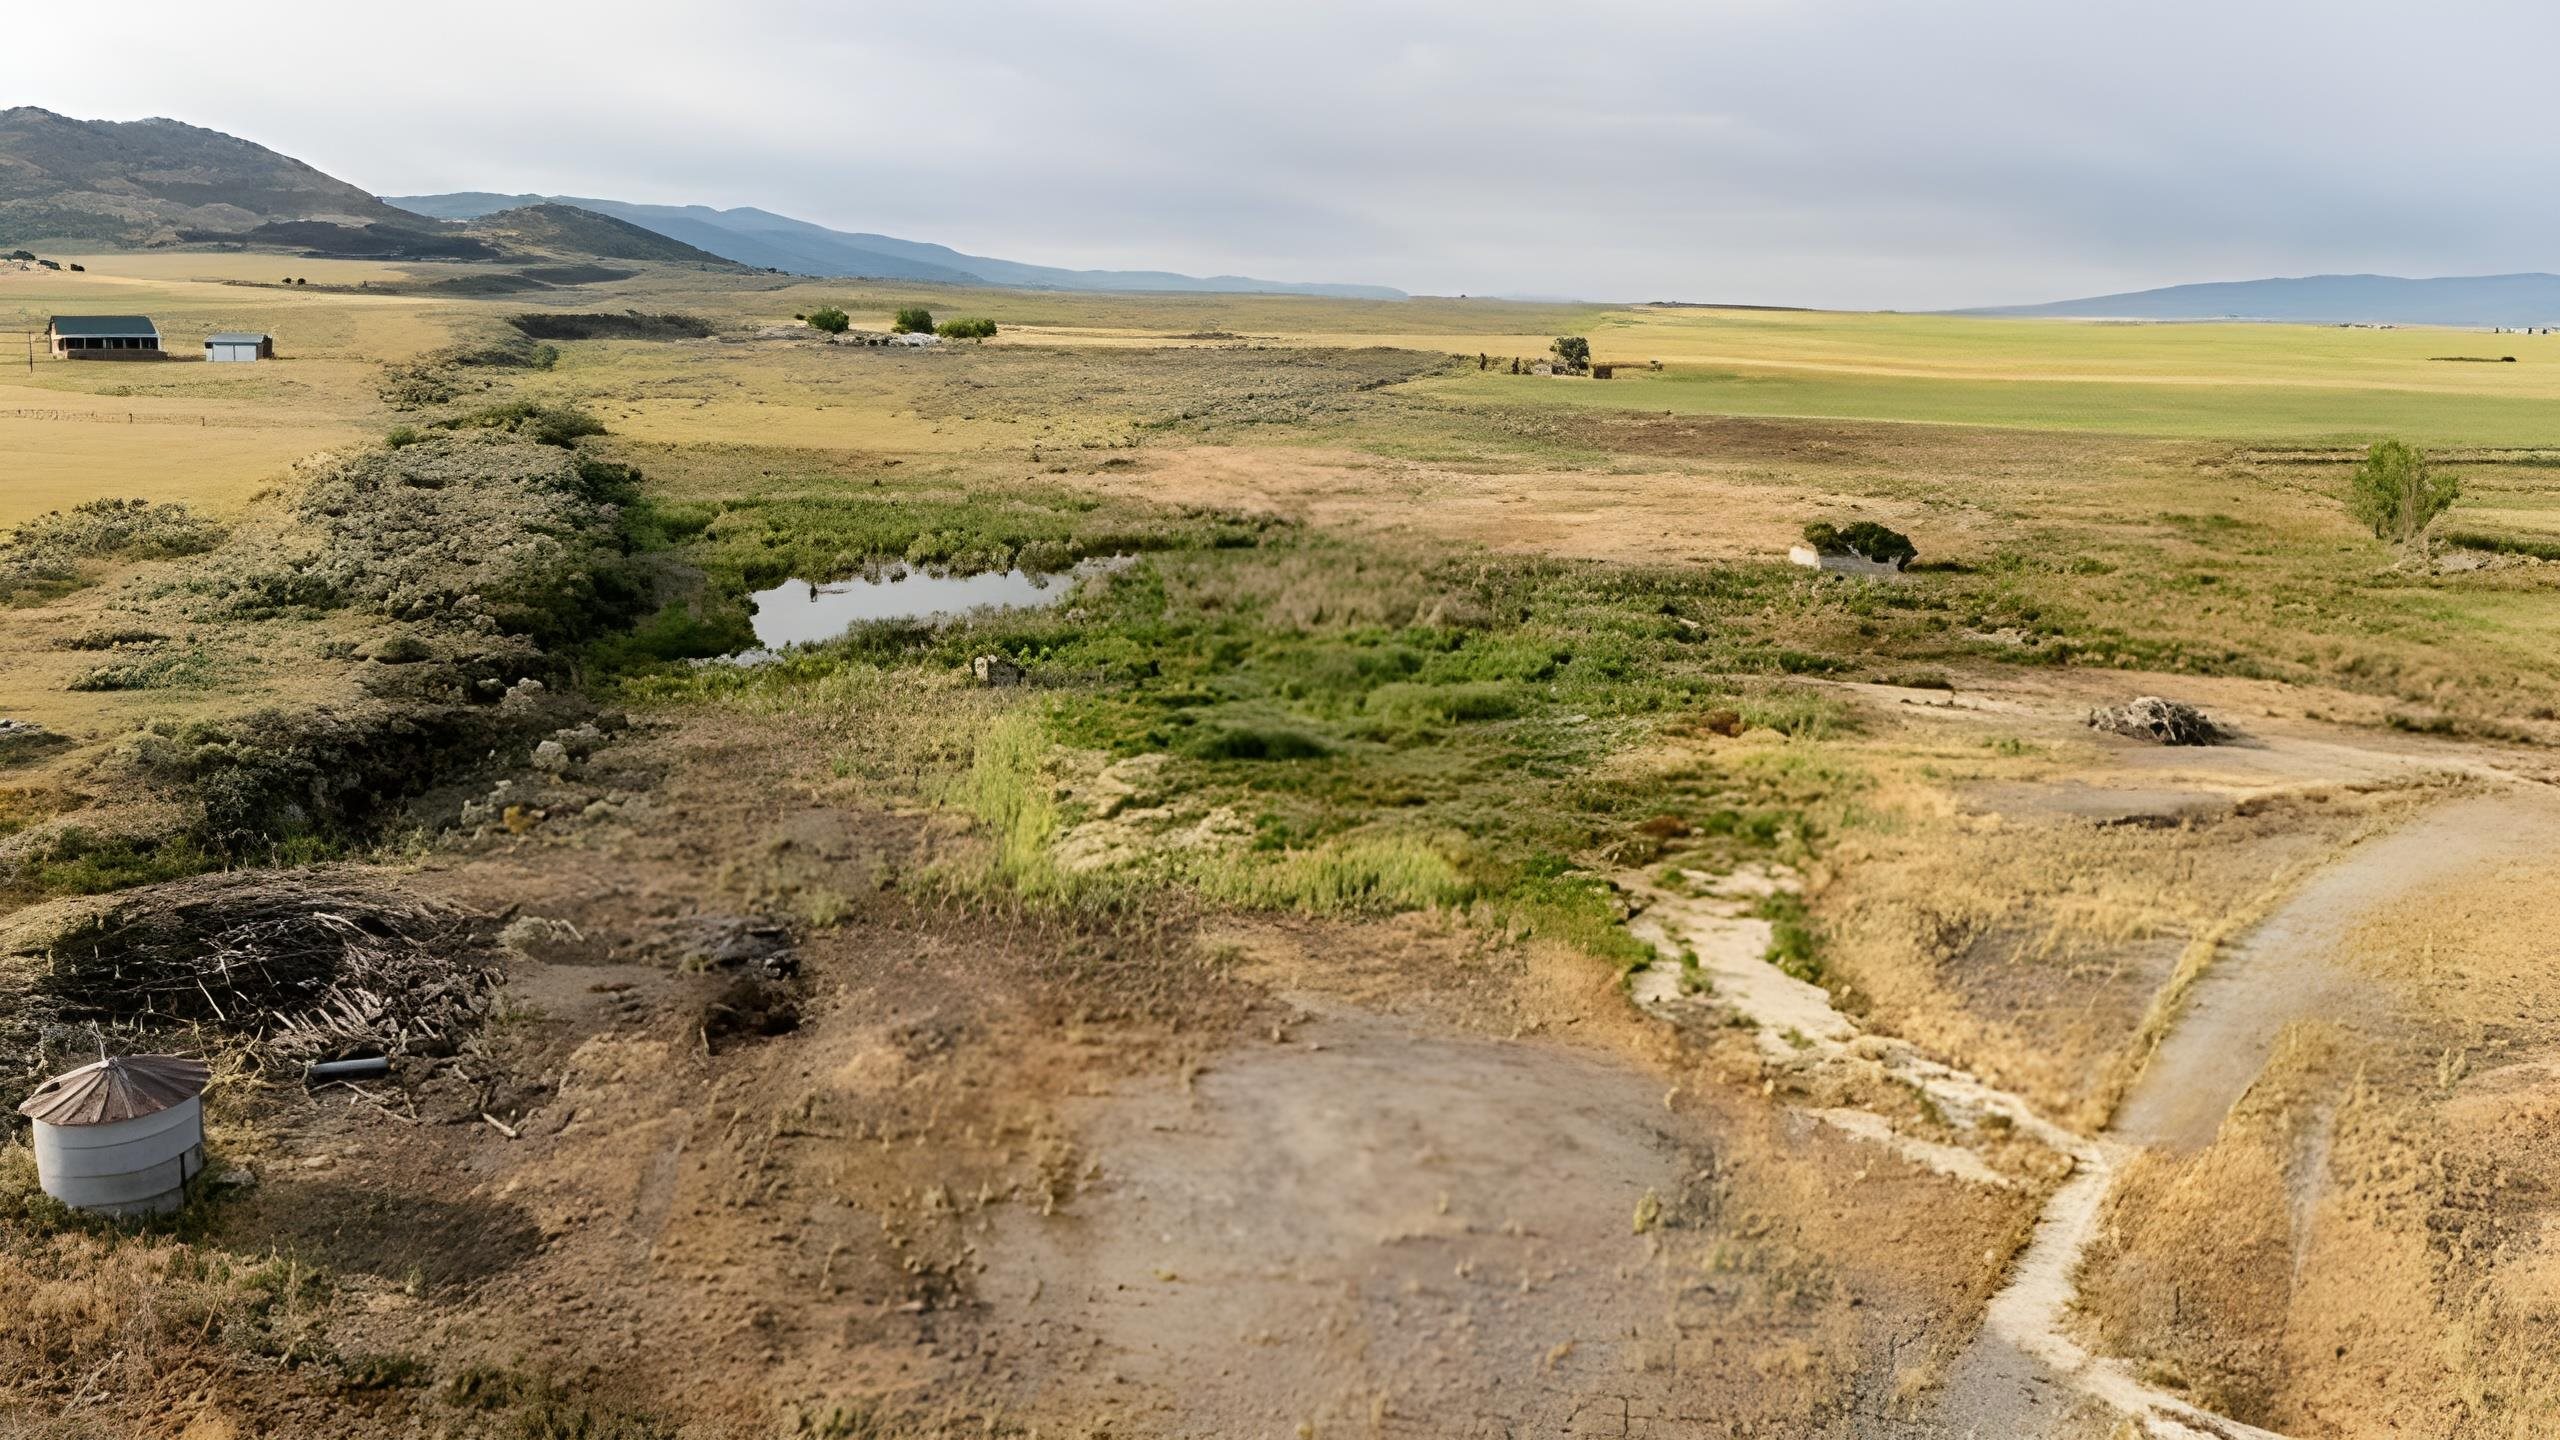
(2397, 494)
(914, 320)
(973, 328)
(830, 319)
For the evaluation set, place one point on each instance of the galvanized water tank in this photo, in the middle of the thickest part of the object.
(122, 1136)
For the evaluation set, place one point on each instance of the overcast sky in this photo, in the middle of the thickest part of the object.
(1886, 153)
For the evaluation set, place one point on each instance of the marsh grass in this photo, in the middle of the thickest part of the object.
(1345, 728)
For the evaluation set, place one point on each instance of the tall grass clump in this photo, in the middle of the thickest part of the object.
(1356, 876)
(1007, 788)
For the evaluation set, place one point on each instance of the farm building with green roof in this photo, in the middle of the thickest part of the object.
(100, 337)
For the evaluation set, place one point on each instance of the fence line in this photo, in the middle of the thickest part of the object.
(103, 417)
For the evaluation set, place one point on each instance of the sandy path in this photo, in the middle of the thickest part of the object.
(2004, 1387)
(2285, 973)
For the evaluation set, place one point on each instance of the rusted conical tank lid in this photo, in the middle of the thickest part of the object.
(126, 1087)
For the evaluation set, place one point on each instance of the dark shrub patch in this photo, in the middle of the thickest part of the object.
(629, 325)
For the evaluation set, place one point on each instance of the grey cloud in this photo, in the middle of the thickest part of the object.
(1864, 152)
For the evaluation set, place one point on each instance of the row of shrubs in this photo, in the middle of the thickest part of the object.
(914, 320)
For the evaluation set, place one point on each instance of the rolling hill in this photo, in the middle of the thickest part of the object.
(570, 230)
(2466, 300)
(155, 182)
(761, 238)
(131, 184)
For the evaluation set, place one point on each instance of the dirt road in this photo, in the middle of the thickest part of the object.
(2026, 1378)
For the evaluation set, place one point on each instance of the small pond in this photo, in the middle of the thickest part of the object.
(796, 612)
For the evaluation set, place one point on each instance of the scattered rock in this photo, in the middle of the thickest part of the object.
(581, 740)
(2162, 722)
(1122, 784)
(552, 941)
(551, 757)
(727, 942)
(750, 1007)
(995, 670)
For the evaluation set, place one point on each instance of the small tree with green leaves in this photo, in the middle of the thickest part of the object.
(914, 320)
(829, 319)
(1573, 352)
(971, 328)
(2397, 494)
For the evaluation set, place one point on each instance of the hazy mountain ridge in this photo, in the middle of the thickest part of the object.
(762, 238)
(2529, 299)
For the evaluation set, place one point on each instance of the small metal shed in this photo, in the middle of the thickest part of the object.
(239, 345)
(122, 1136)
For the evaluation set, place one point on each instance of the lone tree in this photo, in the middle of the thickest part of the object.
(2397, 494)
(829, 319)
(1573, 352)
(914, 320)
(1863, 538)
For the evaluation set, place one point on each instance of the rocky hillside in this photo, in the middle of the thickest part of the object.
(156, 182)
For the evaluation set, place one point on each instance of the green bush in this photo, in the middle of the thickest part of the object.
(1573, 352)
(830, 319)
(914, 320)
(974, 328)
(1254, 739)
(2396, 494)
(549, 424)
(1793, 945)
(676, 632)
(1445, 704)
(1864, 539)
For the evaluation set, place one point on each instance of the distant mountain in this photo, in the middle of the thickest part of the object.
(571, 230)
(2514, 300)
(151, 182)
(762, 238)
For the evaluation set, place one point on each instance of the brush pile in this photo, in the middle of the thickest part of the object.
(307, 968)
(2162, 722)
